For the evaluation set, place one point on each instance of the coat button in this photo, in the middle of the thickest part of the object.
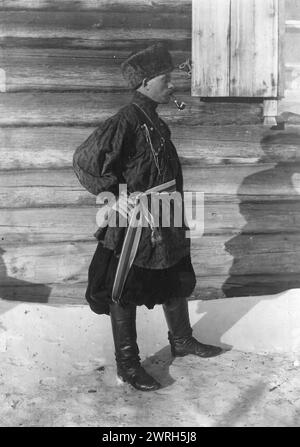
(151, 128)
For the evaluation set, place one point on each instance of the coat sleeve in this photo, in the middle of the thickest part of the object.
(98, 162)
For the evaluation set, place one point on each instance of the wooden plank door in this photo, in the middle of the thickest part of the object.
(235, 48)
(254, 48)
(210, 47)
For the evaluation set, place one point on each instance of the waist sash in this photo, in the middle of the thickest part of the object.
(132, 239)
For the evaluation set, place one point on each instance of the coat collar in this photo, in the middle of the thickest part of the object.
(146, 103)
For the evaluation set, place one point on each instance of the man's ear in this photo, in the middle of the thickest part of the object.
(145, 82)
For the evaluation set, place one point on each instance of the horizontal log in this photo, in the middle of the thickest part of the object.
(206, 288)
(243, 285)
(266, 179)
(53, 147)
(69, 70)
(34, 226)
(246, 254)
(42, 109)
(108, 39)
(65, 21)
(98, 5)
(44, 188)
(67, 263)
(63, 262)
(44, 225)
(11, 138)
(129, 42)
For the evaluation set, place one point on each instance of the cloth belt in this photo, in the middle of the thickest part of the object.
(132, 238)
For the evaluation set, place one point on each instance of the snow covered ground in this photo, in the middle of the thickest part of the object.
(57, 368)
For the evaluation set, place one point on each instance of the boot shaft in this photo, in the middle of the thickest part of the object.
(123, 322)
(178, 320)
(129, 369)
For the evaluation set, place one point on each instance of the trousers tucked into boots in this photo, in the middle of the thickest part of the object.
(180, 332)
(129, 369)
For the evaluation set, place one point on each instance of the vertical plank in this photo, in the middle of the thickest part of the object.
(270, 112)
(210, 47)
(254, 48)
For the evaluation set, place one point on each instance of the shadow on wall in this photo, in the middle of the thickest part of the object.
(266, 254)
(14, 289)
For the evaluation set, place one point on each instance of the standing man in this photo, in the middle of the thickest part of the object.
(134, 148)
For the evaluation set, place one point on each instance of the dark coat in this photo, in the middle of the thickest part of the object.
(120, 153)
(126, 157)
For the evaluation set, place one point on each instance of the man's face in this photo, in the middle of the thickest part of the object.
(160, 88)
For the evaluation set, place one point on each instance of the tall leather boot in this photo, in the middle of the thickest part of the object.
(129, 369)
(180, 332)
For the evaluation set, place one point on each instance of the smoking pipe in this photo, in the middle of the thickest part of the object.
(179, 104)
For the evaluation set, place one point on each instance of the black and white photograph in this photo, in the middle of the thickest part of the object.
(149, 216)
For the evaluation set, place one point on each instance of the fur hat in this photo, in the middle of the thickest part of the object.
(148, 63)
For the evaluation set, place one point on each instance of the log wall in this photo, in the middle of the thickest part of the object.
(60, 78)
